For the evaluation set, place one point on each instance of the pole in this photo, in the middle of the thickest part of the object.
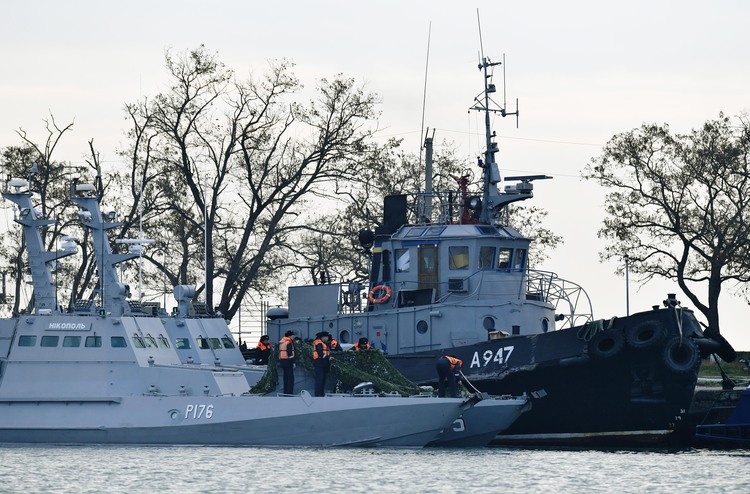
(627, 285)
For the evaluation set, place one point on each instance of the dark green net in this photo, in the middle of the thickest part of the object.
(348, 369)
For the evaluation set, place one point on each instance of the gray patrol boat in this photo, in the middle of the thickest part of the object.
(118, 372)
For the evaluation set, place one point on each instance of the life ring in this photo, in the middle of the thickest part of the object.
(384, 292)
(645, 334)
(606, 344)
(681, 355)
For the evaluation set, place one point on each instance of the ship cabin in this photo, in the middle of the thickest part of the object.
(449, 282)
(426, 264)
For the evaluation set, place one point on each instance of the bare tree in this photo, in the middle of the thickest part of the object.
(231, 167)
(679, 206)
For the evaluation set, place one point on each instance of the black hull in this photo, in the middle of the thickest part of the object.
(629, 383)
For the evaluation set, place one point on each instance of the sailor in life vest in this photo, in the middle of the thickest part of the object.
(264, 350)
(362, 344)
(334, 345)
(286, 361)
(449, 371)
(321, 361)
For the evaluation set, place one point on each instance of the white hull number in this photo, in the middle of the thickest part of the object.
(500, 357)
(199, 411)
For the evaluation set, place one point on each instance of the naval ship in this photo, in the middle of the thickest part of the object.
(448, 275)
(112, 371)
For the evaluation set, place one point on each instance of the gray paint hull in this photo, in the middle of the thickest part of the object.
(300, 420)
(478, 426)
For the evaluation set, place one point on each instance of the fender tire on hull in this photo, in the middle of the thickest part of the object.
(645, 334)
(681, 355)
(606, 344)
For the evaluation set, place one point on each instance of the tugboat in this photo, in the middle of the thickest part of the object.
(448, 275)
(109, 371)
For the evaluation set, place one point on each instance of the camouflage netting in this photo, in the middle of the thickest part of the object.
(348, 368)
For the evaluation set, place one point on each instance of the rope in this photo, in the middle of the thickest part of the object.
(463, 378)
(678, 316)
(590, 329)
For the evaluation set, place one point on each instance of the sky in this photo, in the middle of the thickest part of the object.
(582, 70)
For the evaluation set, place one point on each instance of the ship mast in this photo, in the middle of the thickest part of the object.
(493, 200)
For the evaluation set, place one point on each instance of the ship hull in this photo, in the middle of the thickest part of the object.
(300, 420)
(478, 426)
(628, 383)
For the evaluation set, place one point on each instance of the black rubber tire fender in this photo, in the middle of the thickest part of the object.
(645, 334)
(681, 355)
(606, 344)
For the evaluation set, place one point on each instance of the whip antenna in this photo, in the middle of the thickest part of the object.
(424, 92)
(481, 46)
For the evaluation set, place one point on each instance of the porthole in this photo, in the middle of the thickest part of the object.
(345, 336)
(422, 327)
(489, 323)
(545, 325)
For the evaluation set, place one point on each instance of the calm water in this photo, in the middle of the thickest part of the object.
(224, 470)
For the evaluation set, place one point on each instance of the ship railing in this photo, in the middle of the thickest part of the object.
(572, 303)
(442, 207)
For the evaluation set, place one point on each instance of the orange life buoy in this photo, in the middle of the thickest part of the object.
(386, 294)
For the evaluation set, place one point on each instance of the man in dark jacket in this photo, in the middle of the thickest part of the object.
(362, 344)
(264, 350)
(286, 361)
(321, 361)
(449, 371)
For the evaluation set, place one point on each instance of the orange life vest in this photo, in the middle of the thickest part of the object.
(284, 348)
(326, 351)
(453, 362)
(366, 347)
(264, 346)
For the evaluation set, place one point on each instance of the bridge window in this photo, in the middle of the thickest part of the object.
(50, 340)
(138, 341)
(520, 260)
(163, 342)
(182, 343)
(71, 342)
(93, 342)
(27, 340)
(202, 343)
(402, 260)
(118, 342)
(215, 343)
(150, 341)
(503, 258)
(227, 341)
(459, 257)
(486, 257)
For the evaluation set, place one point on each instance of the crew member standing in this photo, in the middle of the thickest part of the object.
(334, 345)
(286, 361)
(449, 370)
(321, 361)
(264, 350)
(362, 344)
